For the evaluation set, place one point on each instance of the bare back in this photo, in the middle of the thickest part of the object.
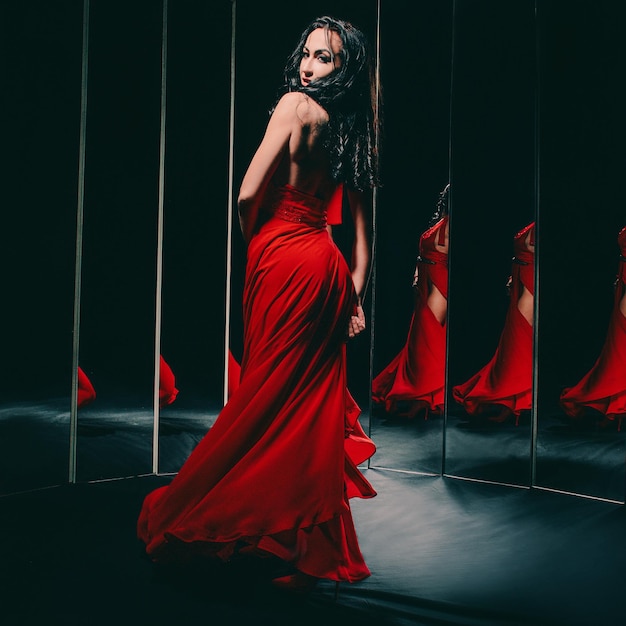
(305, 163)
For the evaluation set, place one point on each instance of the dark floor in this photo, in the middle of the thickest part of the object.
(441, 551)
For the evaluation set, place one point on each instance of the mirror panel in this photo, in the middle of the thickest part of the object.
(41, 46)
(409, 344)
(119, 239)
(581, 214)
(195, 228)
(492, 199)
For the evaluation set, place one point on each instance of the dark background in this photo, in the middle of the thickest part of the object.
(579, 155)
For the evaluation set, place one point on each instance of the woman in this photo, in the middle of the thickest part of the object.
(506, 381)
(603, 387)
(416, 375)
(274, 473)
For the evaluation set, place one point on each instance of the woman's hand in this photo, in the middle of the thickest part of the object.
(357, 322)
(416, 276)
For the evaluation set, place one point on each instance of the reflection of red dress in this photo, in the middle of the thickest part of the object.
(167, 386)
(417, 373)
(86, 392)
(276, 469)
(603, 388)
(167, 383)
(507, 379)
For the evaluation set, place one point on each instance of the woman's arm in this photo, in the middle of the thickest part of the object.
(265, 161)
(360, 208)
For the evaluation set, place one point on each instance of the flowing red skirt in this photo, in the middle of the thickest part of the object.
(275, 471)
(507, 378)
(603, 388)
(417, 373)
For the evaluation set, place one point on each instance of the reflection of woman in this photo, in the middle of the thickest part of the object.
(506, 381)
(603, 387)
(416, 375)
(272, 476)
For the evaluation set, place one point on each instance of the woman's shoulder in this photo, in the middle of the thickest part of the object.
(301, 107)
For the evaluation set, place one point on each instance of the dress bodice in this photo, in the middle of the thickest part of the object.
(432, 237)
(522, 254)
(292, 205)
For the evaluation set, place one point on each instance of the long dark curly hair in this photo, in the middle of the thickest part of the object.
(350, 97)
(441, 209)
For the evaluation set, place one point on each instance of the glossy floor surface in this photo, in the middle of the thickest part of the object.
(441, 551)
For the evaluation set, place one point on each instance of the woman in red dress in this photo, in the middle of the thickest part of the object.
(603, 387)
(416, 376)
(505, 381)
(274, 473)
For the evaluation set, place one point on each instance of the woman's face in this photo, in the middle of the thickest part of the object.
(320, 55)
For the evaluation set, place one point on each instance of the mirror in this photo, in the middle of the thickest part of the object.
(492, 197)
(117, 331)
(490, 334)
(42, 102)
(409, 342)
(580, 447)
(194, 229)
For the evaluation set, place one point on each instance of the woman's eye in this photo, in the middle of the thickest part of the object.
(324, 59)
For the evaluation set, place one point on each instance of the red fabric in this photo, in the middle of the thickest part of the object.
(507, 378)
(273, 471)
(167, 383)
(603, 387)
(234, 374)
(417, 373)
(86, 391)
(167, 386)
(335, 207)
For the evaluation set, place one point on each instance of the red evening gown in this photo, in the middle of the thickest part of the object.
(506, 380)
(603, 387)
(417, 373)
(275, 471)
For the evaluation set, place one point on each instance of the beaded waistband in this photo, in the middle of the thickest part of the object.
(300, 215)
(292, 205)
(421, 259)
